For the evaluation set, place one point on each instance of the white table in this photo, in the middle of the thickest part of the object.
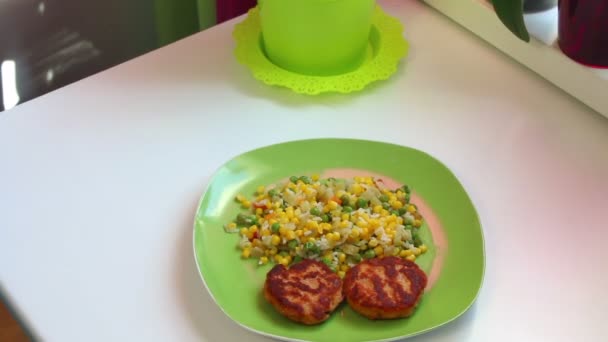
(99, 183)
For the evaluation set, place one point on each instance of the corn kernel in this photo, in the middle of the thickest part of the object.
(379, 251)
(377, 209)
(399, 220)
(357, 189)
(312, 224)
(289, 212)
(244, 231)
(240, 198)
(332, 205)
(287, 260)
(411, 257)
(259, 211)
(411, 209)
(344, 268)
(405, 253)
(325, 226)
(354, 233)
(396, 204)
(344, 224)
(275, 240)
(278, 258)
(299, 232)
(273, 251)
(263, 260)
(246, 253)
(314, 177)
(423, 248)
(362, 224)
(295, 220)
(256, 243)
(336, 236)
(345, 217)
(341, 274)
(265, 232)
(396, 251)
(290, 235)
(373, 242)
(341, 257)
(384, 213)
(231, 225)
(416, 251)
(417, 223)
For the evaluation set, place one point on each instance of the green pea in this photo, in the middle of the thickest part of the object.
(283, 254)
(345, 200)
(402, 211)
(347, 209)
(386, 206)
(383, 198)
(272, 192)
(325, 218)
(395, 212)
(292, 244)
(293, 179)
(297, 259)
(242, 219)
(356, 258)
(310, 246)
(407, 198)
(326, 261)
(254, 220)
(315, 211)
(406, 189)
(275, 227)
(362, 203)
(409, 227)
(369, 254)
(305, 180)
(417, 239)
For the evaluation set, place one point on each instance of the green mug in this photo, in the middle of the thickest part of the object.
(316, 37)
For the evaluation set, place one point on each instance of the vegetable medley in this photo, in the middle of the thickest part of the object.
(337, 221)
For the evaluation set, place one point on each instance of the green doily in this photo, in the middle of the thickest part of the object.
(386, 47)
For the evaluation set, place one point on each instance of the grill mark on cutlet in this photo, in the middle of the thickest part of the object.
(308, 288)
(388, 283)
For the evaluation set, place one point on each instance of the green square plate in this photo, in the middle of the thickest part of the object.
(236, 284)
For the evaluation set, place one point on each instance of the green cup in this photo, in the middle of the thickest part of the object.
(316, 37)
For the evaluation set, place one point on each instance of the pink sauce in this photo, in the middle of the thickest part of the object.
(432, 221)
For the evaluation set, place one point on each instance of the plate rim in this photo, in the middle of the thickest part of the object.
(285, 338)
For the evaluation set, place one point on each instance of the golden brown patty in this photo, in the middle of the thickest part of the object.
(384, 288)
(307, 292)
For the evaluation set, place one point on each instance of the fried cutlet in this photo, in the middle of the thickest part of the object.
(306, 292)
(384, 288)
